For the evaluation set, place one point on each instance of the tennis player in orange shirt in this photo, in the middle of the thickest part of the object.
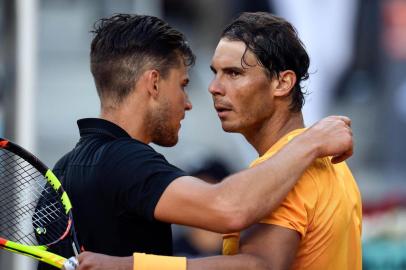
(259, 64)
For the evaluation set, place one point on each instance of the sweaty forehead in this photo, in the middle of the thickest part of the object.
(230, 53)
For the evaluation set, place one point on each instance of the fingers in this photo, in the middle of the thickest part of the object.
(345, 119)
(350, 150)
(83, 260)
(333, 122)
(81, 256)
(344, 156)
(347, 153)
(334, 137)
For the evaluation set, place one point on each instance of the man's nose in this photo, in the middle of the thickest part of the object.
(188, 104)
(215, 88)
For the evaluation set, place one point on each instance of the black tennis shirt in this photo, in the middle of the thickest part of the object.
(114, 183)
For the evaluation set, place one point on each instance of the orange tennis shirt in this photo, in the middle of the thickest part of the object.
(324, 207)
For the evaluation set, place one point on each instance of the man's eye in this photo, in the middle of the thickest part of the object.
(234, 74)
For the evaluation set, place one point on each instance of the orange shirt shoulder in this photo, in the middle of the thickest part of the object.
(324, 207)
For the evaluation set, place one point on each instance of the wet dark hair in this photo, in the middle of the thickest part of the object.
(276, 45)
(125, 45)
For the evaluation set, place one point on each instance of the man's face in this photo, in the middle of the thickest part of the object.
(173, 102)
(241, 91)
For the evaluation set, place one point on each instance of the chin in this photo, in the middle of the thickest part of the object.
(167, 142)
(229, 128)
(235, 126)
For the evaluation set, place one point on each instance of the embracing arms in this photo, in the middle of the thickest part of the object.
(245, 197)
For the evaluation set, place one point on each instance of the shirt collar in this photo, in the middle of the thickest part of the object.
(277, 146)
(91, 126)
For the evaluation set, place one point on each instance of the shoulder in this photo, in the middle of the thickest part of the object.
(308, 184)
(63, 162)
(127, 146)
(321, 169)
(326, 175)
(305, 194)
(130, 156)
(316, 178)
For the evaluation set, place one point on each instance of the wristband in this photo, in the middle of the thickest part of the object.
(144, 261)
(231, 244)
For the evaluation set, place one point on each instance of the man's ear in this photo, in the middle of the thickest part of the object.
(152, 78)
(286, 82)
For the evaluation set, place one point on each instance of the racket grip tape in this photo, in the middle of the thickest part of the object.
(70, 264)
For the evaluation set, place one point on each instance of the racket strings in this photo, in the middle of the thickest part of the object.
(31, 211)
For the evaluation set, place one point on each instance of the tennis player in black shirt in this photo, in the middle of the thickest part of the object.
(125, 195)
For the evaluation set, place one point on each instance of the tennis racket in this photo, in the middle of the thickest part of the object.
(35, 211)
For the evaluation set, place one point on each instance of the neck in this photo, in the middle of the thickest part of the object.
(132, 122)
(274, 128)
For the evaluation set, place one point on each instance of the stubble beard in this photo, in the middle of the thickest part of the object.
(162, 132)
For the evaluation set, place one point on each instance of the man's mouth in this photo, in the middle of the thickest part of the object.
(222, 110)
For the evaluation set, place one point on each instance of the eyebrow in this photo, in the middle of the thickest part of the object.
(228, 69)
(233, 69)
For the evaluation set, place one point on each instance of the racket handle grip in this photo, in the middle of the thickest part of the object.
(70, 264)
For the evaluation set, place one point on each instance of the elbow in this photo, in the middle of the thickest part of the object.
(234, 219)
(232, 214)
(235, 223)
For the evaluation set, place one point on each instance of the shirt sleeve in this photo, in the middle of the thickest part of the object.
(144, 176)
(297, 210)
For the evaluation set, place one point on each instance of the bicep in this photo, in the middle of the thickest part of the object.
(274, 244)
(190, 201)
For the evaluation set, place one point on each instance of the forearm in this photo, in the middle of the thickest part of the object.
(95, 261)
(236, 262)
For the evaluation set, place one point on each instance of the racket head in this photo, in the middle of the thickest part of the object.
(35, 211)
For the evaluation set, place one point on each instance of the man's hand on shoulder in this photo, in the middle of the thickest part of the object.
(331, 136)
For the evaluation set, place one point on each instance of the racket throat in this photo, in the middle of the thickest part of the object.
(75, 250)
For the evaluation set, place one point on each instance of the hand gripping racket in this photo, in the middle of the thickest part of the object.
(35, 211)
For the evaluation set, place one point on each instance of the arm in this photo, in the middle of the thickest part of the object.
(95, 261)
(264, 247)
(245, 197)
